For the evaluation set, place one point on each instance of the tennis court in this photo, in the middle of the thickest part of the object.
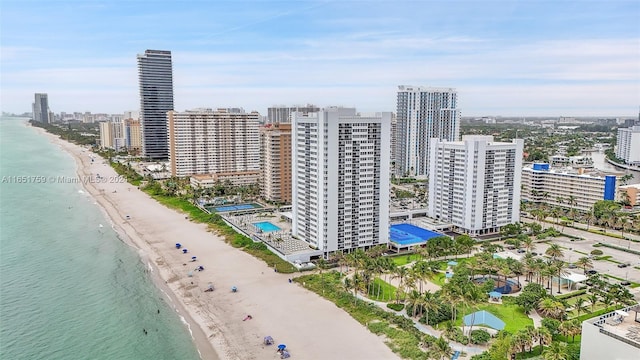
(235, 207)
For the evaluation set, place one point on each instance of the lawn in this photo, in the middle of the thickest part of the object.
(512, 315)
(405, 259)
(438, 279)
(386, 292)
(572, 314)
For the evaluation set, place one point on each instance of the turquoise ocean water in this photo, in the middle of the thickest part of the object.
(69, 288)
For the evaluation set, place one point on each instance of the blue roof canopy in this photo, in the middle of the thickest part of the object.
(484, 318)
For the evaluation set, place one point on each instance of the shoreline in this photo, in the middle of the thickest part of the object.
(312, 327)
(203, 346)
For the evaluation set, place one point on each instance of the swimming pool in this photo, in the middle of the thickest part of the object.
(266, 226)
(508, 287)
(407, 234)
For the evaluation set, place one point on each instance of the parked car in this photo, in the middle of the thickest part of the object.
(572, 266)
(591, 272)
(521, 251)
(622, 265)
(625, 283)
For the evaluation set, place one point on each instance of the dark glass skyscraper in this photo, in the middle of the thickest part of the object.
(41, 108)
(155, 76)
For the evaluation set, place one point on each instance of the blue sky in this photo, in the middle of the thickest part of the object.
(534, 57)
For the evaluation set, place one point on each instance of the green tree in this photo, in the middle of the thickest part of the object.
(441, 349)
(585, 263)
(556, 351)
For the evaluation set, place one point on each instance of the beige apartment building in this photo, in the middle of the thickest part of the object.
(132, 135)
(206, 141)
(560, 187)
(630, 192)
(275, 160)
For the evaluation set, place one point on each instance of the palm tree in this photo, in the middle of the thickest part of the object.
(441, 349)
(450, 331)
(453, 297)
(400, 273)
(555, 212)
(593, 299)
(322, 265)
(528, 243)
(543, 336)
(589, 217)
(575, 328)
(556, 351)
(584, 262)
(559, 266)
(580, 305)
(622, 223)
(555, 251)
(414, 301)
(521, 340)
(549, 307)
(429, 304)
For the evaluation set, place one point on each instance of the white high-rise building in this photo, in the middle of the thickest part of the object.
(475, 183)
(340, 179)
(423, 113)
(628, 145)
(203, 141)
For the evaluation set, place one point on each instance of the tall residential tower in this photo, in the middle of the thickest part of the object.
(275, 153)
(423, 113)
(206, 141)
(155, 75)
(628, 145)
(340, 179)
(41, 108)
(475, 183)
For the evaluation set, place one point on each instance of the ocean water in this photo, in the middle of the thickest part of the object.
(69, 287)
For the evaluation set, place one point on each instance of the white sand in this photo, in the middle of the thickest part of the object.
(311, 327)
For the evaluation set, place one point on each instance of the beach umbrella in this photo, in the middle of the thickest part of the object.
(193, 258)
(282, 347)
(178, 245)
(184, 251)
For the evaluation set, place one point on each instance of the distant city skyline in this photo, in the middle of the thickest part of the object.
(505, 58)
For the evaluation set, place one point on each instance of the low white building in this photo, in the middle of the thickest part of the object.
(612, 336)
(237, 178)
(566, 187)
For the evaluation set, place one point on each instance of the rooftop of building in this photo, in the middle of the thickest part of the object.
(630, 186)
(595, 173)
(623, 324)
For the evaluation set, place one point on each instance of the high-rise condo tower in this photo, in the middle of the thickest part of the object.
(423, 113)
(41, 108)
(340, 179)
(155, 76)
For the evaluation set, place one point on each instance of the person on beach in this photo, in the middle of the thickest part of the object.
(249, 317)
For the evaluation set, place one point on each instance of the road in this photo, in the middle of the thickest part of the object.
(578, 248)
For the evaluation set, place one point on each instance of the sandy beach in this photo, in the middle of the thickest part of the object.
(311, 327)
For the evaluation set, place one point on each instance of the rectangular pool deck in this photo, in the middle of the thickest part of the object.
(266, 226)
